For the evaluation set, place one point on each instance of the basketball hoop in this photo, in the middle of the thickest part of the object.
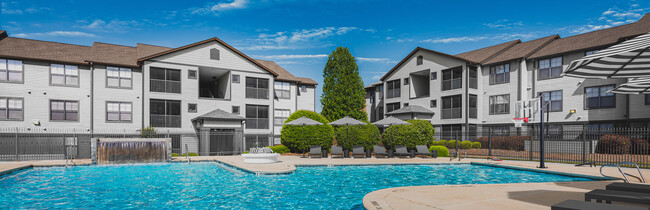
(519, 121)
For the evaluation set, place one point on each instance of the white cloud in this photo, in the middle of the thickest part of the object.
(503, 24)
(110, 26)
(7, 9)
(278, 57)
(56, 33)
(376, 60)
(455, 39)
(215, 8)
(298, 39)
(610, 18)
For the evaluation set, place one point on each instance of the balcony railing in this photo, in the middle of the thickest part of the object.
(257, 123)
(165, 86)
(394, 93)
(453, 113)
(165, 121)
(260, 93)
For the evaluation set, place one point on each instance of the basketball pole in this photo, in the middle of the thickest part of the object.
(541, 135)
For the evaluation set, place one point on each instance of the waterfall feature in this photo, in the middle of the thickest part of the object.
(115, 151)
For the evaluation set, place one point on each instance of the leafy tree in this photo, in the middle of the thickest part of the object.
(292, 135)
(343, 93)
(364, 135)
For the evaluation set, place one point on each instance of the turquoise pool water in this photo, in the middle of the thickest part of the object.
(211, 185)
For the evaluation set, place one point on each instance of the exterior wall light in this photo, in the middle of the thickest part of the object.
(573, 111)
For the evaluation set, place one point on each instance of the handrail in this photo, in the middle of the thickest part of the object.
(187, 154)
(612, 177)
(642, 179)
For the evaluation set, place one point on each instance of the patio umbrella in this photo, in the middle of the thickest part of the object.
(635, 86)
(347, 121)
(390, 121)
(302, 121)
(629, 59)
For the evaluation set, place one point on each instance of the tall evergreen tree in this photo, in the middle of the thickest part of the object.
(343, 93)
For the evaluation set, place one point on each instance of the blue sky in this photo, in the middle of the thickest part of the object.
(298, 34)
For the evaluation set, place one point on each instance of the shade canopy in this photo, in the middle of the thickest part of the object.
(628, 59)
(303, 121)
(347, 121)
(391, 121)
(635, 86)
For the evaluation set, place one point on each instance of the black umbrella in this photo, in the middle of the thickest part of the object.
(302, 121)
(347, 121)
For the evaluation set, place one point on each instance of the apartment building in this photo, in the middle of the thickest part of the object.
(479, 88)
(204, 87)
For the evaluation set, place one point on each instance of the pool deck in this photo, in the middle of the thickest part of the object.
(481, 196)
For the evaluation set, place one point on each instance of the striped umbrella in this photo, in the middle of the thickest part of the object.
(628, 59)
(635, 86)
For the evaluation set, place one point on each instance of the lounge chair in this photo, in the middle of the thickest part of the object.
(641, 188)
(337, 150)
(402, 151)
(580, 205)
(619, 196)
(379, 151)
(422, 150)
(315, 151)
(358, 151)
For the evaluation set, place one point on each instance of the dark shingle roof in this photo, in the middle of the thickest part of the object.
(219, 114)
(521, 50)
(595, 39)
(483, 54)
(307, 81)
(3, 34)
(147, 50)
(283, 74)
(111, 54)
(19, 48)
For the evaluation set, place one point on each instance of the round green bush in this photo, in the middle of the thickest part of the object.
(476, 145)
(292, 135)
(442, 143)
(419, 132)
(451, 144)
(466, 144)
(365, 135)
(191, 154)
(175, 155)
(280, 149)
(442, 150)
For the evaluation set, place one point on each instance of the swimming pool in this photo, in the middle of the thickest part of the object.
(213, 185)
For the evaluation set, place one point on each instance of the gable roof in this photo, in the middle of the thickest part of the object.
(283, 74)
(595, 39)
(207, 41)
(307, 81)
(483, 54)
(147, 50)
(521, 50)
(416, 50)
(411, 109)
(219, 114)
(3, 34)
(29, 49)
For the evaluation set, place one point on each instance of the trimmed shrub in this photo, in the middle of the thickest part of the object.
(365, 135)
(442, 143)
(191, 154)
(640, 147)
(175, 155)
(442, 150)
(451, 144)
(419, 132)
(148, 132)
(476, 145)
(292, 135)
(613, 144)
(281, 149)
(465, 144)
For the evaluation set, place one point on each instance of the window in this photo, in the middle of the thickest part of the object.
(452, 107)
(235, 109)
(11, 71)
(282, 90)
(554, 100)
(591, 52)
(406, 81)
(118, 111)
(371, 96)
(500, 74)
(473, 100)
(500, 104)
(165, 113)
(257, 88)
(118, 77)
(192, 108)
(380, 89)
(598, 97)
(647, 99)
(64, 110)
(433, 103)
(434, 75)
(303, 88)
(381, 113)
(165, 80)
(11, 108)
(214, 54)
(393, 89)
(406, 104)
(473, 77)
(450, 132)
(280, 116)
(420, 60)
(452, 78)
(257, 117)
(64, 75)
(191, 74)
(392, 107)
(550, 68)
(235, 78)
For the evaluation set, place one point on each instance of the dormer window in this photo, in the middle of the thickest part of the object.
(214, 54)
(420, 60)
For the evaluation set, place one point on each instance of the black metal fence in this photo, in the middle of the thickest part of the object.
(576, 145)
